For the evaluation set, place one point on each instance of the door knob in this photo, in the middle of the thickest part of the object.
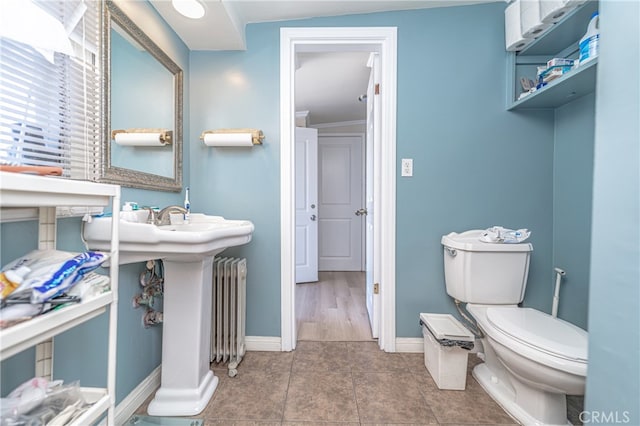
(313, 217)
(361, 212)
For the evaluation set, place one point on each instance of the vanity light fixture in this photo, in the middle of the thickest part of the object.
(193, 9)
(142, 137)
(232, 137)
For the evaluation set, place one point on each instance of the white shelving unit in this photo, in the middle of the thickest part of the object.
(20, 191)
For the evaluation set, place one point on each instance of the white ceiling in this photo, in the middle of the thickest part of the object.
(327, 84)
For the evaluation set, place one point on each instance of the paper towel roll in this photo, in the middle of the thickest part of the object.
(139, 139)
(228, 139)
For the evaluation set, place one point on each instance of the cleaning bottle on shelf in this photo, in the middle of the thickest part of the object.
(589, 43)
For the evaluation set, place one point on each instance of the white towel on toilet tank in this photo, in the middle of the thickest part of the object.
(498, 234)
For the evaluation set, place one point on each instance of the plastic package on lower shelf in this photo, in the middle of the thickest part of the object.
(39, 401)
(99, 401)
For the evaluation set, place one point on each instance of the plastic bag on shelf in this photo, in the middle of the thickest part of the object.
(38, 402)
(53, 272)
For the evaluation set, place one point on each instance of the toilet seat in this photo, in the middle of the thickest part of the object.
(542, 331)
(520, 338)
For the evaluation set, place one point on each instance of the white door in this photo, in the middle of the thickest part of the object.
(373, 225)
(340, 194)
(306, 176)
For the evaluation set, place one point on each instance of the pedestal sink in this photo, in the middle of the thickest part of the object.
(187, 251)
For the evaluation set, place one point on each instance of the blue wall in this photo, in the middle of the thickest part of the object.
(613, 381)
(572, 197)
(476, 165)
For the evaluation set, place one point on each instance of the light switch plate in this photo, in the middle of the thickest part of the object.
(407, 167)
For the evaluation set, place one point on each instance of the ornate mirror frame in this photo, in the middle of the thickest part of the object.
(107, 172)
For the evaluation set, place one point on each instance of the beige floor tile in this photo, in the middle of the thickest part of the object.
(269, 361)
(470, 406)
(239, 423)
(395, 424)
(320, 424)
(321, 356)
(347, 383)
(391, 397)
(367, 356)
(321, 396)
(251, 395)
(414, 362)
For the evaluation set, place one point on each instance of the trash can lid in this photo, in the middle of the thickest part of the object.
(445, 326)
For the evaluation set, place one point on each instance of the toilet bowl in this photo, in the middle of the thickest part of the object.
(532, 361)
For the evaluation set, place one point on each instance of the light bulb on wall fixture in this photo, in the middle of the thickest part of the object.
(193, 9)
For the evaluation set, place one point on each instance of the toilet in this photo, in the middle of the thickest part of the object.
(532, 360)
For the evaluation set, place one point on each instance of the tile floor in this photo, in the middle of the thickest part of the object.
(346, 383)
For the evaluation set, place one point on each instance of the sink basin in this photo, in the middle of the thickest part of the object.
(187, 251)
(204, 236)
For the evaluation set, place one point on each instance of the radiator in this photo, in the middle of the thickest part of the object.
(228, 312)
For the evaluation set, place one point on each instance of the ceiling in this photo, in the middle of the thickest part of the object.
(327, 83)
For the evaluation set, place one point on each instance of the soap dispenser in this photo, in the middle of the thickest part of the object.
(127, 214)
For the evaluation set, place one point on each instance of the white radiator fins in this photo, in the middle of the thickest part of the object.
(229, 305)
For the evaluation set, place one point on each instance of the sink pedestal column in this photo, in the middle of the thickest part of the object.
(187, 383)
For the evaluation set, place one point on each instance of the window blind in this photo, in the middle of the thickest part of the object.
(50, 101)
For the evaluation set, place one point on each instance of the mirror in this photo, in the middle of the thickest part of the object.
(142, 88)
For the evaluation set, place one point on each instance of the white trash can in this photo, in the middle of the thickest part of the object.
(446, 347)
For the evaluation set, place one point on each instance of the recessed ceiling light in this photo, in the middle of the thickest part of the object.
(190, 8)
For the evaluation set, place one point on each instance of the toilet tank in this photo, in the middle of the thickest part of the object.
(485, 273)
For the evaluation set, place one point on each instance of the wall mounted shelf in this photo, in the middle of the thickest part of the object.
(565, 89)
(561, 40)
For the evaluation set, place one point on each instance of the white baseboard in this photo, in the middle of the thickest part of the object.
(137, 397)
(410, 344)
(262, 343)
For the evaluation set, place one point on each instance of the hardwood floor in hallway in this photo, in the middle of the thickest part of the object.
(333, 309)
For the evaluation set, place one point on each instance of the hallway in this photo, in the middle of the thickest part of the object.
(333, 309)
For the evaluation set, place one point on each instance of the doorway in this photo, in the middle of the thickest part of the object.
(383, 42)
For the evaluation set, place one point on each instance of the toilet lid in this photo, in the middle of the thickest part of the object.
(541, 330)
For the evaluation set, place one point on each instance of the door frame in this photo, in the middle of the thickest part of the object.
(384, 41)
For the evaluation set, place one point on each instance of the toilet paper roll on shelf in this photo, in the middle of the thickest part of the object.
(232, 137)
(142, 137)
(531, 22)
(514, 38)
(552, 11)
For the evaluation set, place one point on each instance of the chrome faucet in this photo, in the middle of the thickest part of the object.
(163, 217)
(151, 217)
